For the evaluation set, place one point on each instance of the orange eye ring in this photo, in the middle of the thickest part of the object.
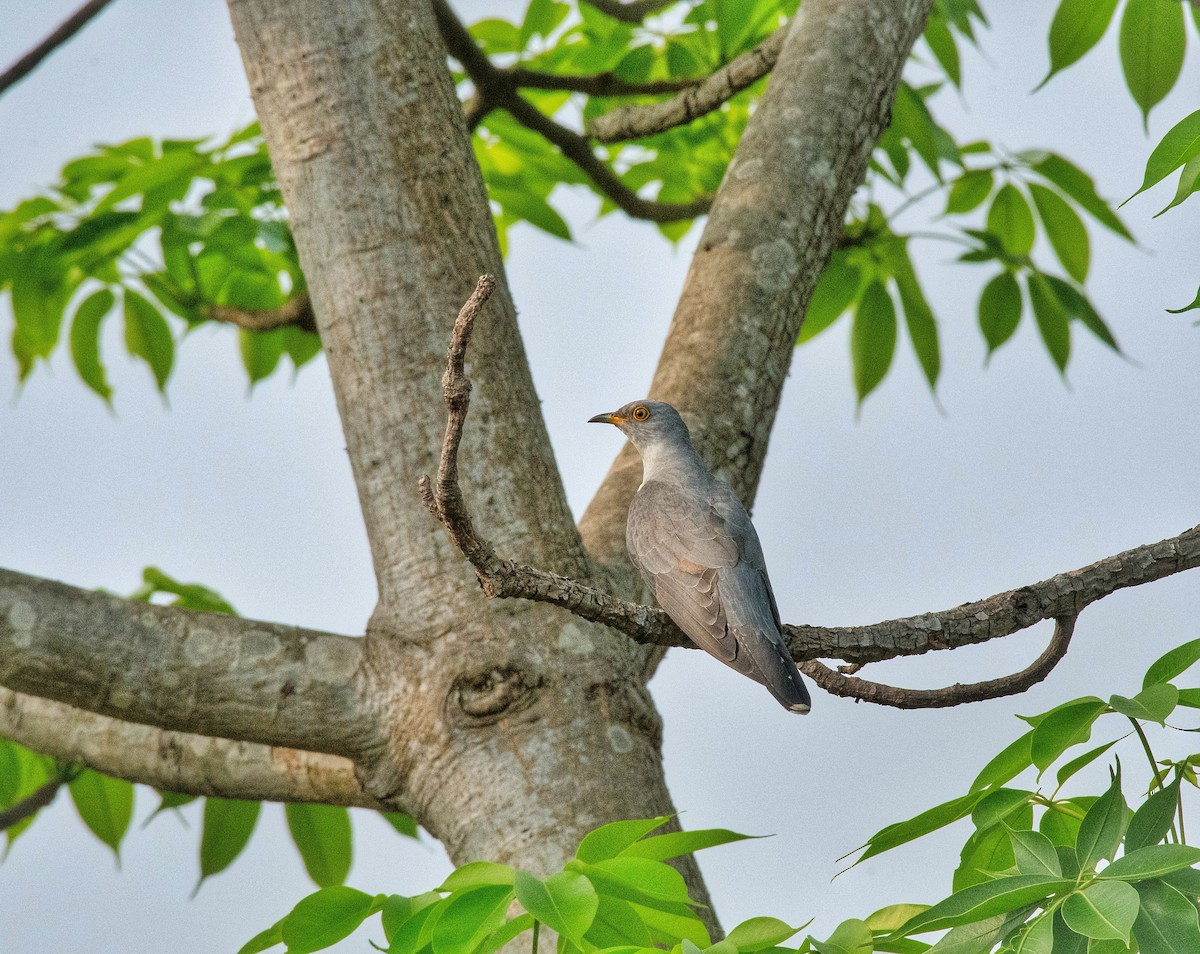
(641, 413)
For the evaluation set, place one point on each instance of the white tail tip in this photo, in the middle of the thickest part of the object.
(800, 708)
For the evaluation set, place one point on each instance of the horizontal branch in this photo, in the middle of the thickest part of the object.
(629, 11)
(179, 761)
(296, 311)
(596, 84)
(1060, 598)
(495, 89)
(65, 30)
(203, 673)
(635, 122)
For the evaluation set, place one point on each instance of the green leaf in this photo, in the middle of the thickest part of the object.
(969, 191)
(678, 843)
(1153, 861)
(1008, 764)
(1062, 728)
(886, 920)
(397, 910)
(1036, 938)
(477, 874)
(85, 341)
(261, 351)
(1051, 318)
(228, 825)
(979, 937)
(105, 805)
(533, 209)
(654, 879)
(912, 120)
(849, 937)
(1082, 761)
(147, 336)
(263, 940)
(1102, 827)
(322, 834)
(506, 932)
(1077, 307)
(1034, 854)
(836, 290)
(1060, 823)
(1167, 921)
(942, 45)
(1189, 184)
(1152, 47)
(470, 917)
(918, 316)
(999, 310)
(1153, 703)
(1106, 909)
(759, 933)
(985, 853)
(1079, 186)
(1185, 880)
(872, 338)
(565, 902)
(1011, 220)
(610, 840)
(669, 927)
(324, 918)
(1150, 823)
(1173, 663)
(984, 901)
(617, 923)
(1195, 303)
(1076, 28)
(1065, 229)
(416, 933)
(998, 805)
(402, 823)
(929, 820)
(1067, 941)
(1178, 147)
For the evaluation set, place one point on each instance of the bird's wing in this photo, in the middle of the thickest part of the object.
(680, 545)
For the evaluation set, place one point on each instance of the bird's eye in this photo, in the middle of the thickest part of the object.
(641, 412)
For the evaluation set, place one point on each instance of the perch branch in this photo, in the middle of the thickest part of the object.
(295, 311)
(635, 122)
(65, 30)
(630, 11)
(1060, 598)
(495, 89)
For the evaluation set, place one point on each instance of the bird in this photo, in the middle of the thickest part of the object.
(692, 540)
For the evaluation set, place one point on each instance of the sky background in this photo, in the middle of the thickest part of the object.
(902, 510)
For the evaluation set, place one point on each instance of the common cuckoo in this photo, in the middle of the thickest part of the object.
(694, 544)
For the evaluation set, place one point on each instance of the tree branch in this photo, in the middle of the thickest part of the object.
(31, 804)
(295, 311)
(495, 89)
(840, 684)
(629, 11)
(596, 84)
(65, 30)
(1060, 598)
(203, 673)
(635, 122)
(179, 761)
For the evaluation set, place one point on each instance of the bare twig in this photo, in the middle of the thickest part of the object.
(634, 122)
(840, 684)
(630, 11)
(496, 89)
(67, 29)
(596, 84)
(32, 803)
(1060, 598)
(295, 311)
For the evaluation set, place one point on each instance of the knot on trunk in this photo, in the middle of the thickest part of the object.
(484, 697)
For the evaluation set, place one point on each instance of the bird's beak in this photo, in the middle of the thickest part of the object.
(607, 419)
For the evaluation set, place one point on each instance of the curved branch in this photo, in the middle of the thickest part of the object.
(596, 84)
(840, 684)
(203, 673)
(635, 122)
(65, 30)
(180, 761)
(31, 804)
(296, 311)
(1060, 598)
(629, 11)
(496, 89)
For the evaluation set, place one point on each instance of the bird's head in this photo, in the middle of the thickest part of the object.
(646, 423)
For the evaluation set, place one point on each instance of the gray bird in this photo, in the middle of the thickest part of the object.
(693, 542)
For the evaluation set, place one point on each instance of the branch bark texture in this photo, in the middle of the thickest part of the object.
(61, 34)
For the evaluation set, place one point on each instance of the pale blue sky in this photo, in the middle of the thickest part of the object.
(904, 510)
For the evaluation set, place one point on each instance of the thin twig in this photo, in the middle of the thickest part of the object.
(1060, 598)
(496, 89)
(32, 803)
(65, 30)
(839, 684)
(636, 122)
(595, 84)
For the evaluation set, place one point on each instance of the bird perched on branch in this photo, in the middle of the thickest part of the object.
(693, 542)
